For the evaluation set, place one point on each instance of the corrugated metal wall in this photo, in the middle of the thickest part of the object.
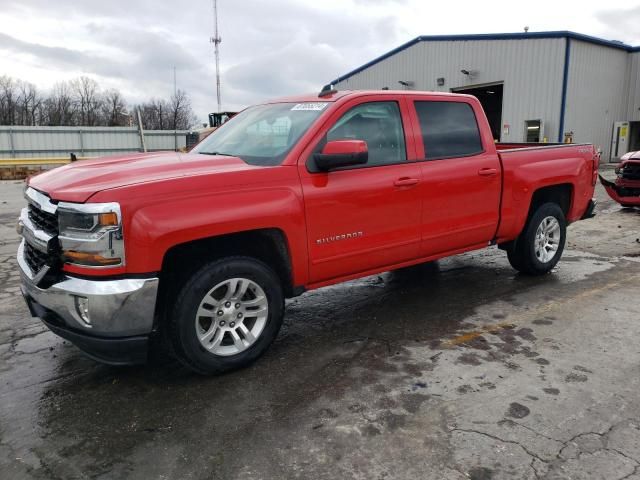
(59, 142)
(633, 103)
(596, 93)
(531, 69)
(603, 82)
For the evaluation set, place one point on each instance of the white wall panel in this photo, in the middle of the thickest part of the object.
(531, 69)
(633, 101)
(596, 94)
(603, 83)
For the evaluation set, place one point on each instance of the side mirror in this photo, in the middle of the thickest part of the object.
(341, 153)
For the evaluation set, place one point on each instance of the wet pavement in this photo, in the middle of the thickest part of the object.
(452, 370)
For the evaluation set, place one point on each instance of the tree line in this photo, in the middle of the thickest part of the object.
(81, 102)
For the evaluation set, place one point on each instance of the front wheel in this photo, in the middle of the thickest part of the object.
(539, 247)
(226, 315)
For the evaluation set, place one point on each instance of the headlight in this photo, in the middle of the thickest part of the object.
(91, 234)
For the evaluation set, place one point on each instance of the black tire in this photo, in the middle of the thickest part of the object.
(522, 254)
(182, 322)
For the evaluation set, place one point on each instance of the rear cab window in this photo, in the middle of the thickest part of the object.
(448, 129)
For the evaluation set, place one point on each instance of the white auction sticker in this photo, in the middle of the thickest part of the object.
(313, 106)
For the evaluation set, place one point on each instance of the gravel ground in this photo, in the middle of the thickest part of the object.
(452, 370)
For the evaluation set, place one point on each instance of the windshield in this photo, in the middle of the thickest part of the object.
(264, 134)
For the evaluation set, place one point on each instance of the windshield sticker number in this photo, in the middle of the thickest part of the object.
(310, 106)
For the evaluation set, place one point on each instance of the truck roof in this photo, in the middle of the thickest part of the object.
(332, 97)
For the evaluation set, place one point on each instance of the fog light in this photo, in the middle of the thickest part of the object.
(82, 307)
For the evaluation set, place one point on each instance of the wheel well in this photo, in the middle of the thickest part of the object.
(267, 245)
(559, 194)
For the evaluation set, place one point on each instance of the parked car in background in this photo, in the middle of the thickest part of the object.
(626, 188)
(201, 249)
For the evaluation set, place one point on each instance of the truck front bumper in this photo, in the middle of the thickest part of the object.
(626, 194)
(110, 320)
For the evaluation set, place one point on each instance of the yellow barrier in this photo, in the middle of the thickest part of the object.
(26, 162)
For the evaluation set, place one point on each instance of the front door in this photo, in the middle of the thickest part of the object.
(365, 217)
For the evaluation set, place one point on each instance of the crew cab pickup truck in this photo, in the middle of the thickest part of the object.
(198, 251)
(626, 188)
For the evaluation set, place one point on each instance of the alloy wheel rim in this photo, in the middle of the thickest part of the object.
(231, 316)
(547, 240)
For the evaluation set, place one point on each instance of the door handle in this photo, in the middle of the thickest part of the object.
(406, 182)
(487, 172)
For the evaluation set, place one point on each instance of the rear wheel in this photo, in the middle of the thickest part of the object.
(226, 315)
(539, 247)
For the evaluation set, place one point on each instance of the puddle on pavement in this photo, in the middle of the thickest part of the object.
(583, 265)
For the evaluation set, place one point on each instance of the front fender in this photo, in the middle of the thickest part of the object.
(162, 225)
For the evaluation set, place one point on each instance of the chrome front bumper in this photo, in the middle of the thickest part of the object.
(100, 308)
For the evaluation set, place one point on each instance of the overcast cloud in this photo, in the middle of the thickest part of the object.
(269, 48)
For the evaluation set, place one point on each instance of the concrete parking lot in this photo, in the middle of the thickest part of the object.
(452, 370)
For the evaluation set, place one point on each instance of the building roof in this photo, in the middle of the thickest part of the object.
(492, 36)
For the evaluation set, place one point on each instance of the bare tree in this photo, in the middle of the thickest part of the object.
(114, 109)
(160, 109)
(181, 115)
(88, 101)
(29, 103)
(81, 102)
(8, 98)
(155, 114)
(59, 106)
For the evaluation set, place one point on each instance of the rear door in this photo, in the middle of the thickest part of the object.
(461, 174)
(368, 216)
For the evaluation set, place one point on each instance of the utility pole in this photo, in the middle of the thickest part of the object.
(143, 144)
(175, 114)
(216, 48)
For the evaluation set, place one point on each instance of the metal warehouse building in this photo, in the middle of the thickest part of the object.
(534, 86)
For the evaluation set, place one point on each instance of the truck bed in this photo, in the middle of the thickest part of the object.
(527, 166)
(533, 146)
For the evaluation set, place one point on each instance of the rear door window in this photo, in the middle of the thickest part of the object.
(449, 129)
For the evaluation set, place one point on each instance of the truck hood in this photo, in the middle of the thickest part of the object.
(78, 181)
(630, 156)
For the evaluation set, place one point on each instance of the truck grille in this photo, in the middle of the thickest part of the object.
(34, 258)
(42, 220)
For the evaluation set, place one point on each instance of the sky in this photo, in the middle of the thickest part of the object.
(269, 48)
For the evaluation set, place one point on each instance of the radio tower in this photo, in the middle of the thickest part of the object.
(216, 47)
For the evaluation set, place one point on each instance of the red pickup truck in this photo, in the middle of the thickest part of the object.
(201, 249)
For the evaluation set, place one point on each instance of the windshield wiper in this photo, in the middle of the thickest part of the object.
(222, 154)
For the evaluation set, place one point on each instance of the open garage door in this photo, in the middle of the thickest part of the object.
(490, 97)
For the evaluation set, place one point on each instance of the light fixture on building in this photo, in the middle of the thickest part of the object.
(469, 73)
(440, 81)
(406, 83)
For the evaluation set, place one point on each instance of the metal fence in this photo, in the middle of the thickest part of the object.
(60, 142)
